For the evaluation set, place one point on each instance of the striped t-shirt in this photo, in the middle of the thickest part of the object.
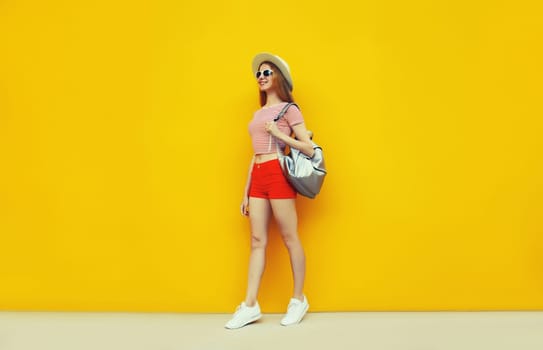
(264, 142)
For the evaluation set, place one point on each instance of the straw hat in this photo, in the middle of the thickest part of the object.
(278, 61)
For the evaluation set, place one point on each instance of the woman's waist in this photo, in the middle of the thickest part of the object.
(265, 157)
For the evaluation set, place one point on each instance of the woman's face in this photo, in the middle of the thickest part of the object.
(265, 79)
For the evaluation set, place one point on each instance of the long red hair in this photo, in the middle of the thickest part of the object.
(279, 83)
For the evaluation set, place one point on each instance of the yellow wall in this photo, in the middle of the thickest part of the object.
(124, 150)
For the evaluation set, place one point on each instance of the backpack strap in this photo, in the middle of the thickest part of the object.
(284, 110)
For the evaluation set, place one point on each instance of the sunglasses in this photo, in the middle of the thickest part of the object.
(265, 72)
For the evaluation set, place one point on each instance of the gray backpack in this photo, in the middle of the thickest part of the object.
(305, 174)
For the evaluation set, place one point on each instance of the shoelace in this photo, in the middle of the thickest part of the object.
(238, 309)
(292, 306)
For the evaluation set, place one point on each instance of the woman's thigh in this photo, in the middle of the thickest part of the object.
(259, 215)
(284, 212)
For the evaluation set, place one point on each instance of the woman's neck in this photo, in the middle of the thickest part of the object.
(272, 99)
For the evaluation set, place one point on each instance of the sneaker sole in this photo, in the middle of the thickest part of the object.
(299, 319)
(256, 318)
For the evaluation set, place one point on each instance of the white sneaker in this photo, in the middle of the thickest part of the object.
(295, 312)
(243, 316)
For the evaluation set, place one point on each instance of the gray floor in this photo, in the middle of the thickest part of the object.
(356, 330)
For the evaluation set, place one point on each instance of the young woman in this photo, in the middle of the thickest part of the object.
(267, 191)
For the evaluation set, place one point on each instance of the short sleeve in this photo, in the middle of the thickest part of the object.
(294, 116)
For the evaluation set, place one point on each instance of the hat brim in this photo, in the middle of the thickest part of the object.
(279, 62)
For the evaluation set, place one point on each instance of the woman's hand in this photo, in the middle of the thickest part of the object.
(302, 142)
(245, 206)
(271, 128)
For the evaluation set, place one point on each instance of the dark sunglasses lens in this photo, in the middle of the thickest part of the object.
(266, 73)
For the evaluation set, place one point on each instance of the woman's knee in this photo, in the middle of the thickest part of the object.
(258, 241)
(290, 239)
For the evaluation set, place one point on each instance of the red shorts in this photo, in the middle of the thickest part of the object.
(268, 181)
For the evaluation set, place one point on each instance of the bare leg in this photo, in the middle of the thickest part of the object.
(284, 211)
(259, 214)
